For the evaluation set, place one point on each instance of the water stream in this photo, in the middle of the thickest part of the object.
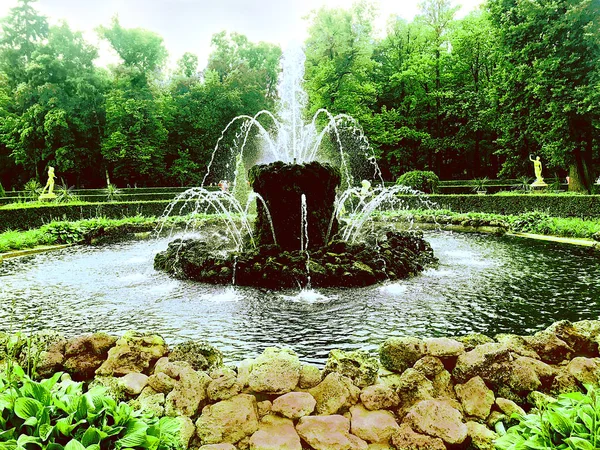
(483, 284)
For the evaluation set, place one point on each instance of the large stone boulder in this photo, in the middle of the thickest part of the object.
(550, 347)
(379, 396)
(189, 393)
(413, 388)
(482, 438)
(517, 344)
(399, 354)
(574, 338)
(228, 421)
(328, 433)
(310, 376)
(133, 352)
(372, 426)
(224, 385)
(473, 340)
(444, 347)
(476, 398)
(294, 405)
(199, 354)
(585, 370)
(275, 433)
(334, 394)
(438, 419)
(85, 354)
(484, 360)
(407, 439)
(275, 371)
(357, 365)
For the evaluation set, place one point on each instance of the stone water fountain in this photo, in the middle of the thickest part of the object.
(313, 228)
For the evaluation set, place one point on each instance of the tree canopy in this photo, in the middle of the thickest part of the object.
(463, 97)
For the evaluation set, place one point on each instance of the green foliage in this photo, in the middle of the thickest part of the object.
(572, 421)
(112, 193)
(58, 414)
(480, 184)
(64, 193)
(32, 189)
(2, 192)
(424, 181)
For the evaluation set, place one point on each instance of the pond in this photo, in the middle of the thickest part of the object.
(483, 284)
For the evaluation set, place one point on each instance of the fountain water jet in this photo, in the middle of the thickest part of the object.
(306, 229)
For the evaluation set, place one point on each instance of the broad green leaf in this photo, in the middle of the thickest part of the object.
(54, 446)
(93, 447)
(49, 383)
(91, 436)
(25, 440)
(27, 407)
(169, 425)
(579, 444)
(31, 422)
(8, 445)
(45, 431)
(74, 444)
(135, 439)
(7, 434)
(37, 391)
(560, 423)
(82, 409)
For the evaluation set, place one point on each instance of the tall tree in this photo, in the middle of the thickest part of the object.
(135, 135)
(548, 92)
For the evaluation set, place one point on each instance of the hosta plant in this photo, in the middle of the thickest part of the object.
(570, 422)
(58, 414)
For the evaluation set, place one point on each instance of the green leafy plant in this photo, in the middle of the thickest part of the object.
(480, 184)
(32, 189)
(58, 414)
(2, 191)
(64, 232)
(421, 180)
(112, 192)
(570, 422)
(523, 184)
(535, 221)
(64, 193)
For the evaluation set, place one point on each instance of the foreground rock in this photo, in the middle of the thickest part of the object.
(435, 393)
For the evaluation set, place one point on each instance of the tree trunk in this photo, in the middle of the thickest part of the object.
(579, 175)
(107, 177)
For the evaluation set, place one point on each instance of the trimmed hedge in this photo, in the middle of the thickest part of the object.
(35, 217)
(583, 206)
(555, 205)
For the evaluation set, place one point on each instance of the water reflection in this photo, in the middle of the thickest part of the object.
(483, 284)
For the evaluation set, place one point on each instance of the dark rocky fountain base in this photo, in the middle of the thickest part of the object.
(394, 256)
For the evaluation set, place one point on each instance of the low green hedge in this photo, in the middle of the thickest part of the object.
(34, 217)
(584, 206)
(555, 205)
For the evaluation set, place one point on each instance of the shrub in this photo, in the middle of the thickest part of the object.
(570, 422)
(32, 189)
(60, 415)
(421, 180)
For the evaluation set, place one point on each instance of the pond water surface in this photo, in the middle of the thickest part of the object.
(483, 284)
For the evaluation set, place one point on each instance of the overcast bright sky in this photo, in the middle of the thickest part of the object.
(187, 25)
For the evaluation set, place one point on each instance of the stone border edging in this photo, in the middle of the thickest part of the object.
(434, 393)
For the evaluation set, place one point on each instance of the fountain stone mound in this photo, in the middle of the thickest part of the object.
(282, 186)
(382, 254)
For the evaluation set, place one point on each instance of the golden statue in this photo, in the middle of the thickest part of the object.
(50, 195)
(537, 167)
(365, 188)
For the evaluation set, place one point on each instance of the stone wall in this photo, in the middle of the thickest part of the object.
(434, 393)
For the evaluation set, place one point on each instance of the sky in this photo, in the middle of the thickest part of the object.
(187, 25)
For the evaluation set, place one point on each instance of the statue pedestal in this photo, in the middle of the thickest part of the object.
(538, 185)
(48, 197)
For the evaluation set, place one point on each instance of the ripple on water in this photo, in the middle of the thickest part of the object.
(482, 284)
